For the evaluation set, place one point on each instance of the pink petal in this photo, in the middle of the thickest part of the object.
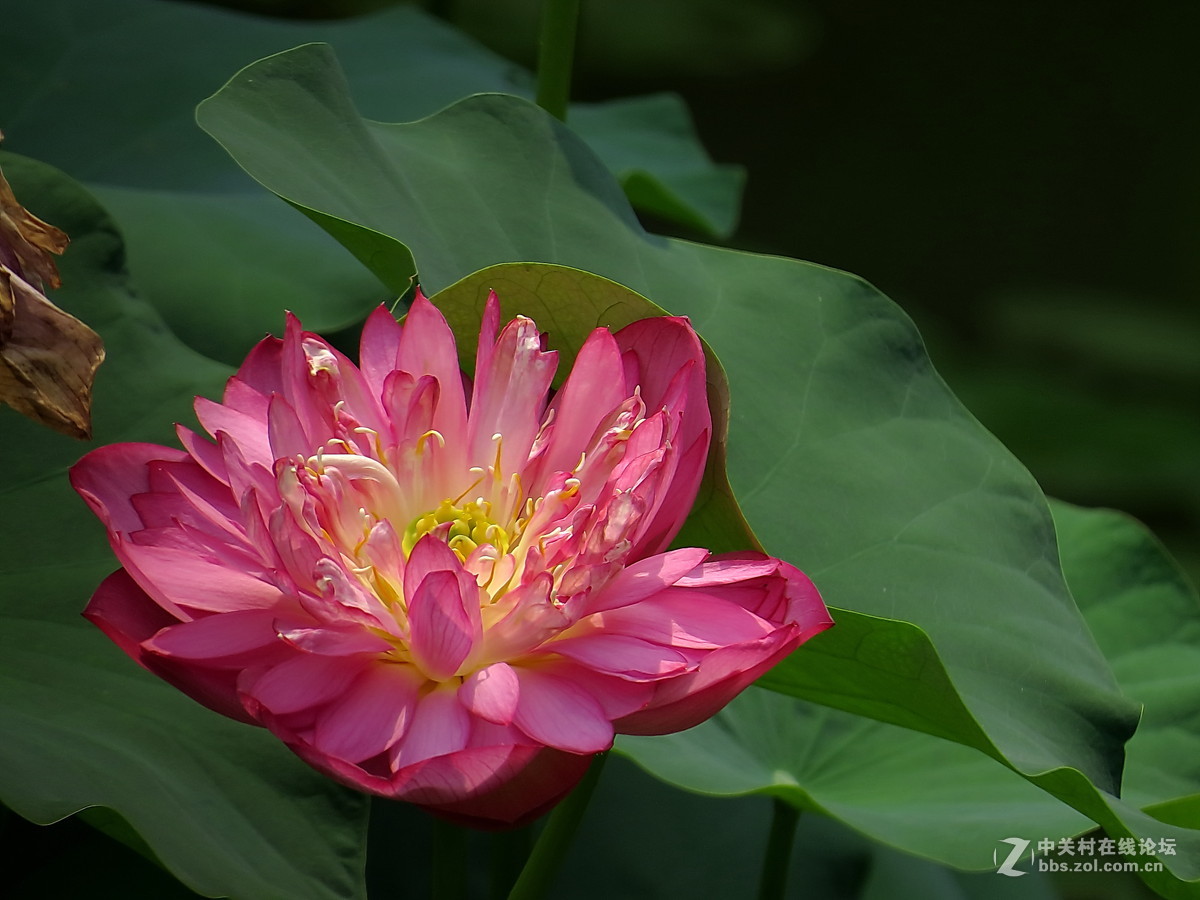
(329, 640)
(559, 713)
(127, 614)
(379, 348)
(248, 433)
(244, 473)
(226, 639)
(108, 478)
(664, 355)
(285, 433)
(770, 588)
(492, 693)
(261, 370)
(730, 568)
(443, 633)
(209, 498)
(182, 578)
(690, 699)
(428, 555)
(686, 618)
(595, 387)
(302, 682)
(509, 397)
(532, 619)
(653, 351)
(439, 726)
(206, 453)
(525, 784)
(623, 656)
(371, 716)
(246, 399)
(617, 696)
(427, 348)
(646, 577)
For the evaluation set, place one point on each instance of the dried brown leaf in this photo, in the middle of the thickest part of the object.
(48, 358)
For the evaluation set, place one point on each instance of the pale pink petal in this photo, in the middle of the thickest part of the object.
(489, 324)
(492, 693)
(654, 350)
(559, 713)
(372, 715)
(309, 372)
(802, 604)
(297, 551)
(243, 473)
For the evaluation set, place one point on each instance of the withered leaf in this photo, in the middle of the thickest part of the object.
(48, 358)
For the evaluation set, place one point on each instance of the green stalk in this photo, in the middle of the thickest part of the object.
(773, 884)
(552, 844)
(556, 50)
(449, 861)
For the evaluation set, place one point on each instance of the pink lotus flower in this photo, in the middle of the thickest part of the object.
(445, 594)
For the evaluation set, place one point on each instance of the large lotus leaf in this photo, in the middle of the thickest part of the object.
(848, 453)
(226, 807)
(942, 801)
(205, 259)
(72, 96)
(921, 794)
(1146, 617)
(641, 840)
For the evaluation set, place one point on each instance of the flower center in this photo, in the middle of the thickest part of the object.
(463, 528)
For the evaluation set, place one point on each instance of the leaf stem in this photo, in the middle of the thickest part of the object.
(773, 883)
(552, 844)
(449, 861)
(556, 51)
